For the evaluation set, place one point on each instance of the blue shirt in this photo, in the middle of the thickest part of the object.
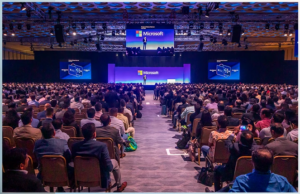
(34, 123)
(261, 182)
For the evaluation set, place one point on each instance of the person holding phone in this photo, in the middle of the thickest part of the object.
(247, 125)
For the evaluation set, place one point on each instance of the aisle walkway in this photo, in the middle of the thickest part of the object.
(156, 166)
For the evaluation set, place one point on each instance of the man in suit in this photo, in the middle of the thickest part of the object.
(253, 114)
(22, 106)
(108, 131)
(244, 148)
(281, 145)
(90, 118)
(111, 98)
(49, 117)
(43, 113)
(238, 107)
(60, 114)
(27, 131)
(16, 177)
(231, 121)
(90, 147)
(53, 146)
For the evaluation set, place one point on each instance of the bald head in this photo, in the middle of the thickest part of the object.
(262, 159)
(47, 105)
(105, 119)
(238, 103)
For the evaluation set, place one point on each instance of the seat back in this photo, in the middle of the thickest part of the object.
(221, 152)
(8, 132)
(87, 105)
(84, 110)
(237, 115)
(206, 130)
(6, 141)
(80, 116)
(195, 124)
(257, 140)
(74, 140)
(243, 166)
(30, 167)
(54, 171)
(128, 117)
(78, 121)
(296, 141)
(110, 145)
(232, 128)
(271, 140)
(188, 119)
(27, 143)
(285, 166)
(87, 171)
(70, 130)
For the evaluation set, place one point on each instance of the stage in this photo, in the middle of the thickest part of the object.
(149, 87)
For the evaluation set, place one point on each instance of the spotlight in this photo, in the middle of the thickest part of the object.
(4, 33)
(285, 33)
(228, 32)
(191, 25)
(102, 37)
(201, 37)
(189, 33)
(184, 32)
(267, 26)
(220, 25)
(93, 25)
(117, 32)
(212, 25)
(246, 47)
(220, 32)
(123, 32)
(291, 33)
(74, 26)
(201, 26)
(113, 33)
(207, 13)
(85, 40)
(239, 45)
(51, 32)
(211, 39)
(13, 34)
(82, 26)
(23, 8)
(215, 40)
(28, 26)
(296, 26)
(243, 32)
(74, 33)
(11, 26)
(19, 26)
(277, 26)
(68, 32)
(28, 13)
(286, 26)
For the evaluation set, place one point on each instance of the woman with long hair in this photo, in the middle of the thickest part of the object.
(11, 119)
(205, 121)
(69, 120)
(249, 125)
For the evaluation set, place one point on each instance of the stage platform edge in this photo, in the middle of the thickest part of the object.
(149, 87)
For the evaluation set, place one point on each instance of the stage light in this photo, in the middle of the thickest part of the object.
(191, 25)
(212, 25)
(28, 13)
(239, 45)
(4, 33)
(113, 33)
(243, 32)
(184, 32)
(201, 37)
(117, 32)
(13, 34)
(286, 26)
(189, 33)
(82, 26)
(296, 26)
(19, 26)
(207, 13)
(102, 37)
(50, 12)
(51, 32)
(285, 33)
(215, 40)
(123, 32)
(291, 33)
(74, 33)
(267, 26)
(228, 32)
(23, 8)
(201, 26)
(211, 39)
(68, 32)
(277, 26)
(74, 26)
(246, 47)
(11, 26)
(93, 25)
(28, 26)
(220, 32)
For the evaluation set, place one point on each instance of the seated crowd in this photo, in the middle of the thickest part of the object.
(252, 120)
(43, 112)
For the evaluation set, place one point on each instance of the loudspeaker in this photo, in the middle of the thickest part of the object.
(185, 10)
(236, 33)
(59, 33)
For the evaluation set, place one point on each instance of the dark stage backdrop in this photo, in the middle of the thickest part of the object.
(256, 66)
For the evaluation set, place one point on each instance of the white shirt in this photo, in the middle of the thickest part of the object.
(292, 135)
(216, 115)
(126, 110)
(77, 105)
(118, 124)
(61, 135)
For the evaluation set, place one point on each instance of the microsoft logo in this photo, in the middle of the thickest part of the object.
(140, 72)
(138, 33)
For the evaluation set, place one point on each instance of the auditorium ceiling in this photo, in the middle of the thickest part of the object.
(253, 16)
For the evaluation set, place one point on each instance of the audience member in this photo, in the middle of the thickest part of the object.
(221, 107)
(238, 107)
(48, 119)
(33, 102)
(253, 114)
(11, 119)
(69, 120)
(98, 109)
(57, 124)
(117, 123)
(293, 134)
(231, 121)
(90, 118)
(266, 121)
(276, 119)
(43, 113)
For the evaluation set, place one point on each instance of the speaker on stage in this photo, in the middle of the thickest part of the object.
(59, 33)
(236, 33)
(185, 10)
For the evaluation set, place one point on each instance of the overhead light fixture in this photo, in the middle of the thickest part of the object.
(212, 25)
(291, 33)
(5, 33)
(28, 26)
(13, 34)
(220, 32)
(23, 8)
(19, 26)
(74, 33)
(228, 32)
(82, 26)
(285, 33)
(201, 26)
(277, 26)
(286, 26)
(51, 32)
(267, 26)
(93, 25)
(207, 13)
(68, 32)
(74, 26)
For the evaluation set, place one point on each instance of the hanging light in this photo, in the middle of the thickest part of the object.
(23, 8)
(228, 32)
(291, 33)
(51, 32)
(74, 33)
(221, 32)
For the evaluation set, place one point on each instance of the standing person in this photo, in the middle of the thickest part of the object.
(144, 43)
(145, 78)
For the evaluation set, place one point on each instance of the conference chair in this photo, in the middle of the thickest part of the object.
(237, 115)
(195, 124)
(8, 132)
(84, 110)
(6, 142)
(285, 166)
(206, 130)
(87, 105)
(188, 119)
(243, 166)
(73, 140)
(257, 140)
(128, 117)
(232, 128)
(110, 146)
(30, 167)
(79, 116)
(221, 153)
(57, 177)
(87, 173)
(271, 140)
(178, 120)
(27, 143)
(70, 130)
(296, 141)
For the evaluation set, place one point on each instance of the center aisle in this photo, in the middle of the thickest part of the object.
(157, 166)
